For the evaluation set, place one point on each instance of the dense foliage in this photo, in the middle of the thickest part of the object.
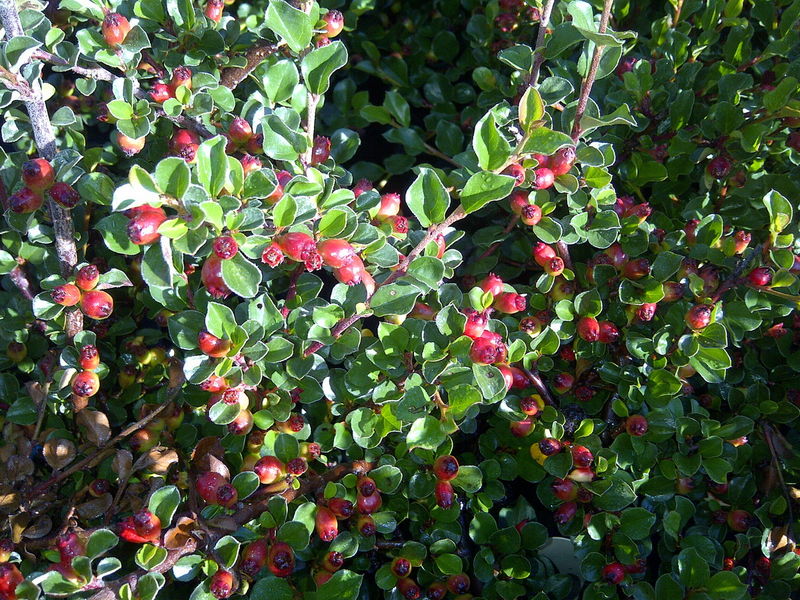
(402, 299)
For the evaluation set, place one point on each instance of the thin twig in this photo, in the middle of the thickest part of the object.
(233, 76)
(186, 122)
(98, 73)
(46, 143)
(439, 154)
(544, 22)
(539, 384)
(19, 277)
(491, 249)
(563, 252)
(771, 443)
(586, 87)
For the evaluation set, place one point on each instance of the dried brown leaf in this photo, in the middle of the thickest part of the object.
(98, 429)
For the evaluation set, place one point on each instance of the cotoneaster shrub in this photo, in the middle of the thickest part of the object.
(441, 299)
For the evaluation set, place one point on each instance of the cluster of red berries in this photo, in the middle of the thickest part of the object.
(38, 177)
(513, 13)
(10, 575)
(591, 330)
(216, 490)
(445, 468)
(86, 383)
(242, 139)
(458, 585)
(95, 304)
(330, 25)
(626, 207)
(181, 76)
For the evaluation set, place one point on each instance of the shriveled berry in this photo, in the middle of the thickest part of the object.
(64, 194)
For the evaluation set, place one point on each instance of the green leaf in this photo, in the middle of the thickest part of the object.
(427, 198)
(344, 585)
(543, 140)
(726, 585)
(163, 503)
(426, 433)
(491, 148)
(173, 176)
(636, 523)
(100, 542)
(484, 187)
(212, 165)
(241, 276)
(394, 299)
(272, 588)
(319, 64)
(294, 26)
(780, 211)
(227, 549)
(531, 108)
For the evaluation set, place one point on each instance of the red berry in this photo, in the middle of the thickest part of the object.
(221, 584)
(549, 446)
(563, 382)
(531, 405)
(531, 215)
(147, 525)
(130, 146)
(297, 246)
(207, 485)
(251, 164)
(115, 28)
(518, 201)
(25, 201)
(636, 425)
(160, 93)
(408, 588)
(213, 10)
(212, 346)
(761, 276)
(297, 466)
(334, 23)
(272, 255)
(444, 494)
(646, 311)
(227, 495)
(739, 520)
(613, 573)
(492, 284)
(87, 277)
(321, 150)
(326, 525)
(242, 424)
(399, 224)
(281, 559)
(10, 578)
(543, 254)
(542, 160)
(543, 178)
(437, 591)
(589, 329)
(269, 469)
(97, 304)
(69, 545)
(636, 268)
(364, 185)
(333, 561)
(335, 253)
(458, 584)
(181, 76)
(400, 567)
(182, 138)
(446, 467)
(351, 273)
(389, 206)
(343, 509)
(510, 303)
(581, 456)
(366, 505)
(240, 131)
(561, 162)
(699, 316)
(486, 351)
(226, 247)
(608, 332)
(719, 167)
(365, 525)
(89, 357)
(564, 489)
(211, 276)
(143, 226)
(66, 295)
(98, 487)
(517, 172)
(565, 513)
(521, 429)
(214, 383)
(64, 194)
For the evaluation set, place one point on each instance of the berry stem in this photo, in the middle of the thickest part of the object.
(46, 143)
(588, 82)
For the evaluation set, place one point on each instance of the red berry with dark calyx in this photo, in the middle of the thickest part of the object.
(87, 277)
(699, 316)
(321, 150)
(147, 525)
(549, 446)
(66, 295)
(636, 268)
(531, 215)
(510, 303)
(227, 495)
(211, 276)
(365, 525)
(531, 325)
(333, 561)
(89, 357)
(563, 382)
(408, 589)
(486, 352)
(636, 425)
(589, 329)
(565, 513)
(352, 273)
(400, 567)
(561, 162)
(64, 195)
(326, 524)
(437, 591)
(183, 138)
(518, 201)
(297, 246)
(160, 93)
(719, 167)
(739, 520)
(297, 466)
(115, 28)
(554, 267)
(143, 227)
(543, 178)
(207, 485)
(334, 23)
(581, 456)
(367, 505)
(564, 489)
(366, 486)
(446, 467)
(444, 494)
(213, 10)
(214, 384)
(335, 253)
(239, 131)
(25, 201)
(269, 469)
(458, 584)
(226, 247)
(363, 186)
(613, 573)
(341, 507)
(476, 323)
(646, 311)
(222, 584)
(492, 284)
(543, 254)
(98, 487)
(250, 164)
(609, 333)
(531, 405)
(242, 424)
(97, 304)
(517, 172)
(281, 559)
(181, 76)
(760, 276)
